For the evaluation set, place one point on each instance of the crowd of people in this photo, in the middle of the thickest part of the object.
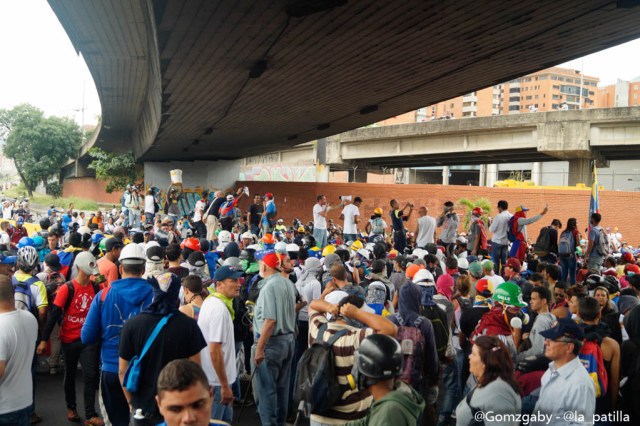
(367, 323)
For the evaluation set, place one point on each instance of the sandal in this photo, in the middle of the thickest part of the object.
(72, 416)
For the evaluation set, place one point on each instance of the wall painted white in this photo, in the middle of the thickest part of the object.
(211, 175)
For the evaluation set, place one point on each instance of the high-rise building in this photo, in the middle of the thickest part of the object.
(622, 94)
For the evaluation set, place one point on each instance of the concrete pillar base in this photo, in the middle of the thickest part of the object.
(491, 175)
(445, 175)
(535, 173)
(580, 171)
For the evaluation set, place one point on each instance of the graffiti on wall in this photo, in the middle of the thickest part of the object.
(187, 200)
(279, 173)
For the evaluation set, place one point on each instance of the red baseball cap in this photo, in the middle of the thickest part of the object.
(628, 256)
(268, 195)
(632, 268)
(514, 264)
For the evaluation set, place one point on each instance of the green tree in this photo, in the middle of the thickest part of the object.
(117, 170)
(38, 145)
(469, 205)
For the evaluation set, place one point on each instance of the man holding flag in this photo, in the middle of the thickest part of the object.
(597, 249)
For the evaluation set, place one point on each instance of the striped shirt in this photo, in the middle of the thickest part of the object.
(354, 404)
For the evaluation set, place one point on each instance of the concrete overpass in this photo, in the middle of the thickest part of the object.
(577, 136)
(221, 80)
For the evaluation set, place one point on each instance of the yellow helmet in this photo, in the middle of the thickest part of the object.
(377, 210)
(330, 249)
(357, 245)
(301, 229)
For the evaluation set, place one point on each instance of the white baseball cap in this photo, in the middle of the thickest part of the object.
(87, 263)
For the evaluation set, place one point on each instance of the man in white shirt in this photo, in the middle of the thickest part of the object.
(320, 210)
(499, 241)
(149, 207)
(219, 357)
(198, 215)
(18, 334)
(426, 229)
(351, 216)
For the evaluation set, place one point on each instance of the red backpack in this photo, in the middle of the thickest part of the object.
(412, 343)
(591, 357)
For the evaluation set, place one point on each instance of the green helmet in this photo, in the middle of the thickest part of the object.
(510, 294)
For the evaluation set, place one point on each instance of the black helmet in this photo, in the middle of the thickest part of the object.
(593, 281)
(248, 254)
(379, 358)
(45, 223)
(308, 242)
(611, 283)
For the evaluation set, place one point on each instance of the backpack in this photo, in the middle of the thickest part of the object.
(72, 291)
(591, 357)
(412, 343)
(464, 302)
(603, 243)
(543, 243)
(566, 244)
(441, 330)
(22, 294)
(316, 379)
(52, 283)
(511, 234)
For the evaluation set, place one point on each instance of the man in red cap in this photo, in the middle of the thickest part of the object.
(268, 214)
(274, 325)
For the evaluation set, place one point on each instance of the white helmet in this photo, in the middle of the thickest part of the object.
(364, 253)
(463, 263)
(132, 254)
(256, 247)
(293, 248)
(419, 253)
(224, 237)
(423, 278)
(27, 258)
(280, 247)
(84, 230)
(246, 236)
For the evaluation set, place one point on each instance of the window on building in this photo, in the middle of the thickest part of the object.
(528, 98)
(556, 87)
(635, 87)
(543, 77)
(514, 107)
(554, 77)
(555, 97)
(591, 93)
(514, 90)
(543, 105)
(554, 106)
(544, 95)
(635, 96)
(536, 97)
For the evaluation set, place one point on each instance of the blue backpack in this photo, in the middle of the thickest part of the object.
(511, 235)
(22, 294)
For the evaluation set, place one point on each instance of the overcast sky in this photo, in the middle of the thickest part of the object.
(40, 66)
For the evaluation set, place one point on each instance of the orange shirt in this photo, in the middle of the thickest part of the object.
(108, 269)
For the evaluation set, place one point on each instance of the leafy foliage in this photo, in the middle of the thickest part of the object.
(469, 205)
(117, 170)
(54, 189)
(38, 145)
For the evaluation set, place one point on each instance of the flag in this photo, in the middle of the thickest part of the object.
(594, 204)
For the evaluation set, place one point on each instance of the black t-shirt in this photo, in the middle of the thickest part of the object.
(470, 317)
(215, 209)
(180, 338)
(256, 211)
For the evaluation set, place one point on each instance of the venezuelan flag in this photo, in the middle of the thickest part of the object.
(594, 203)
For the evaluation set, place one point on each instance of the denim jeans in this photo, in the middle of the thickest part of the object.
(114, 401)
(301, 343)
(399, 241)
(349, 237)
(255, 230)
(271, 379)
(320, 235)
(498, 256)
(15, 418)
(134, 218)
(89, 357)
(568, 265)
(451, 396)
(219, 411)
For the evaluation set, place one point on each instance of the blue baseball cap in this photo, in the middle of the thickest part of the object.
(224, 272)
(564, 327)
(20, 220)
(7, 260)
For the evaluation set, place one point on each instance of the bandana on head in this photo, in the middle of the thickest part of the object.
(166, 290)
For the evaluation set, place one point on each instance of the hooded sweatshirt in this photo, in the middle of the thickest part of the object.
(123, 300)
(400, 407)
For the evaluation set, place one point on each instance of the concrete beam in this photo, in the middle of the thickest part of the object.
(565, 139)
(580, 171)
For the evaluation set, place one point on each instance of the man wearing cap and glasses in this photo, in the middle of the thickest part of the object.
(219, 356)
(274, 323)
(70, 308)
(566, 385)
(124, 299)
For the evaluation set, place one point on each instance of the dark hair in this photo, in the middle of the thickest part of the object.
(138, 238)
(338, 272)
(6, 290)
(577, 290)
(430, 258)
(563, 285)
(536, 277)
(541, 266)
(319, 197)
(572, 224)
(463, 284)
(393, 200)
(75, 239)
(86, 241)
(543, 293)
(353, 299)
(448, 204)
(179, 375)
(378, 265)
(136, 269)
(634, 281)
(553, 271)
(451, 263)
(173, 252)
(588, 308)
(193, 283)
(503, 204)
(611, 260)
(497, 362)
(532, 265)
(596, 217)
(556, 222)
(357, 200)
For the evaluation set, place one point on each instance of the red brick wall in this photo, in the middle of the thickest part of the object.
(295, 200)
(89, 188)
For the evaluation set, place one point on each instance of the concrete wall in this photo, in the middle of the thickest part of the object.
(89, 188)
(295, 200)
(207, 174)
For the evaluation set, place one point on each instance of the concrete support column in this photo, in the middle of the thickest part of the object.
(322, 173)
(482, 179)
(358, 175)
(492, 175)
(445, 175)
(536, 175)
(580, 171)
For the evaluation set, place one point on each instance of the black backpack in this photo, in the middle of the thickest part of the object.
(441, 329)
(543, 243)
(72, 291)
(316, 379)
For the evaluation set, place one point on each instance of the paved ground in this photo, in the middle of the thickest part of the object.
(50, 404)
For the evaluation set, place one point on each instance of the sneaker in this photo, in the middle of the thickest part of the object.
(72, 416)
(94, 421)
(35, 419)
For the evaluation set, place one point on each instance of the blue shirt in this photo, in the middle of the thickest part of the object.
(125, 299)
(270, 212)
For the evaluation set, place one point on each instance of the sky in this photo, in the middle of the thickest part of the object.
(40, 66)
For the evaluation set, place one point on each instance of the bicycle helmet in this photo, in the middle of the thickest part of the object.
(27, 258)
